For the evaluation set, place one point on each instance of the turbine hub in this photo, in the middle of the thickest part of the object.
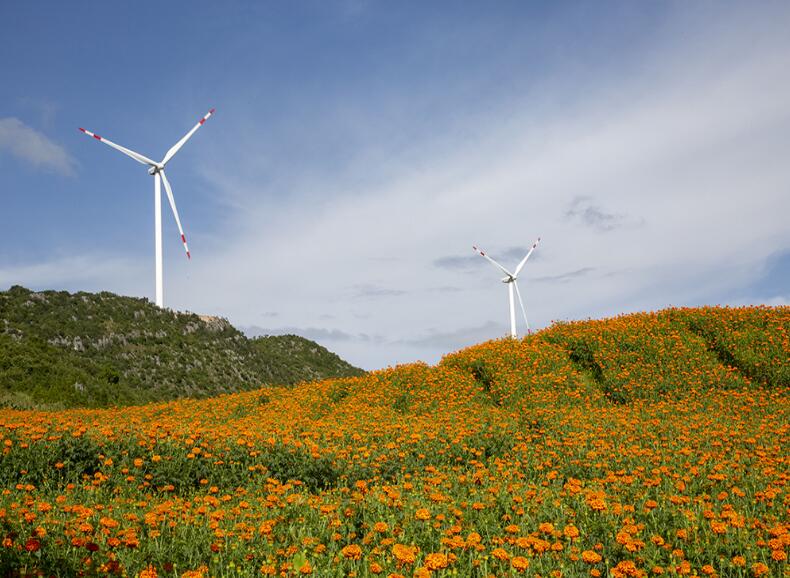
(508, 279)
(155, 169)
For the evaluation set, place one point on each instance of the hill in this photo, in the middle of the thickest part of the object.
(65, 350)
(644, 445)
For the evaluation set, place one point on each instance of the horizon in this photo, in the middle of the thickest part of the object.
(359, 150)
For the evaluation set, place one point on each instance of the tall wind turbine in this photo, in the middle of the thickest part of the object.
(510, 280)
(157, 170)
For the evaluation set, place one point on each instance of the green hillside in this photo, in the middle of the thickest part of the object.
(67, 350)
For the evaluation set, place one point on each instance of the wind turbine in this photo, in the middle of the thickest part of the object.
(157, 170)
(510, 280)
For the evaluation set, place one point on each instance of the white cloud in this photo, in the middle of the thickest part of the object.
(31, 146)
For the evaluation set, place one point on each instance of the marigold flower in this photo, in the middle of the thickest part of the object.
(473, 539)
(591, 557)
(404, 554)
(571, 531)
(519, 563)
(436, 561)
(500, 554)
(422, 514)
(760, 569)
(352, 551)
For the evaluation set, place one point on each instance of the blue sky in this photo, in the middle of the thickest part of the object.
(360, 148)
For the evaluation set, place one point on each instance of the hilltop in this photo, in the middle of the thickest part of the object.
(59, 349)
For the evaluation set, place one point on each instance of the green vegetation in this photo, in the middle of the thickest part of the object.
(68, 350)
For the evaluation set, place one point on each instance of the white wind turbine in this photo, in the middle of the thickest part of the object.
(510, 280)
(157, 170)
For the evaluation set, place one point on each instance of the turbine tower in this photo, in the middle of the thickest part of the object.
(157, 170)
(510, 281)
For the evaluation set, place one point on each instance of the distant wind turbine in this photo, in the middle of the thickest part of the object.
(510, 280)
(157, 170)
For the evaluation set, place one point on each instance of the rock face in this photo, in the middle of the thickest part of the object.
(61, 350)
(215, 324)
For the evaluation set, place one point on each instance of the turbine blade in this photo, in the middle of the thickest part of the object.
(176, 147)
(520, 302)
(172, 200)
(524, 260)
(483, 254)
(136, 156)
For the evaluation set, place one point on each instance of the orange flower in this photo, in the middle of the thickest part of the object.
(627, 569)
(404, 554)
(760, 569)
(500, 554)
(436, 561)
(519, 563)
(591, 557)
(422, 514)
(352, 552)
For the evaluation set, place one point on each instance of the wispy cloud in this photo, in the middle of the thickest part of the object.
(564, 277)
(374, 291)
(463, 336)
(456, 262)
(584, 210)
(29, 145)
(317, 334)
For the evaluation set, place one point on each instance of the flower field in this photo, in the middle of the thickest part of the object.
(644, 445)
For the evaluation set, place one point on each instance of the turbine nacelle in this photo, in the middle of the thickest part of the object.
(508, 279)
(155, 169)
